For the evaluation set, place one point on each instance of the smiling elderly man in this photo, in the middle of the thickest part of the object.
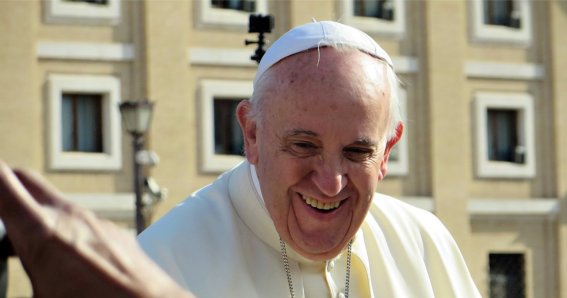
(300, 217)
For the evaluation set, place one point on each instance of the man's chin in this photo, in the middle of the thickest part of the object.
(317, 251)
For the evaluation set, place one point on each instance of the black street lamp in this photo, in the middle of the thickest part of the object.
(137, 116)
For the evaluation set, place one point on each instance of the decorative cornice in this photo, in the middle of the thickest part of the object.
(85, 51)
(112, 206)
(221, 56)
(543, 208)
(506, 71)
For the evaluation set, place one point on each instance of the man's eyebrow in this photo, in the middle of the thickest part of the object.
(365, 142)
(298, 132)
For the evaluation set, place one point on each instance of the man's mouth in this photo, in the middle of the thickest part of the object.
(321, 206)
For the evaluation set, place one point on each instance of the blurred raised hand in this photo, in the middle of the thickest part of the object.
(69, 252)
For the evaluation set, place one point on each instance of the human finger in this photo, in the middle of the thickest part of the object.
(40, 189)
(15, 200)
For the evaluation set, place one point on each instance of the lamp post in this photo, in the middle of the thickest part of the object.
(136, 116)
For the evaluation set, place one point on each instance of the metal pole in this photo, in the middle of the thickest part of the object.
(3, 276)
(138, 144)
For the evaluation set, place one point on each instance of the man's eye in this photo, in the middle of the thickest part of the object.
(358, 154)
(303, 148)
(303, 145)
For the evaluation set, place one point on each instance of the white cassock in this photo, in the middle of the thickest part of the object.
(221, 242)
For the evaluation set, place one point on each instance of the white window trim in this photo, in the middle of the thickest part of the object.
(400, 167)
(394, 28)
(109, 86)
(210, 161)
(482, 32)
(207, 15)
(522, 102)
(64, 12)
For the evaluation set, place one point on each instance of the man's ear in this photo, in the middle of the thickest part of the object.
(248, 126)
(389, 145)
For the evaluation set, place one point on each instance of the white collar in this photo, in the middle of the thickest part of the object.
(256, 183)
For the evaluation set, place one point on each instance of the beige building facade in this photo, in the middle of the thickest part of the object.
(483, 95)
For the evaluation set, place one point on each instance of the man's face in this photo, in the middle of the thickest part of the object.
(320, 147)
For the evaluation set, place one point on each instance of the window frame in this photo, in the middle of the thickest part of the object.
(521, 102)
(482, 32)
(82, 13)
(109, 88)
(209, 16)
(394, 28)
(210, 162)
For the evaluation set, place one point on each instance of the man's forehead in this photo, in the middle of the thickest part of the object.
(316, 35)
(353, 74)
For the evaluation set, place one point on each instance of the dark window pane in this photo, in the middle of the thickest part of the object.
(95, 2)
(501, 12)
(81, 121)
(228, 137)
(242, 5)
(507, 276)
(67, 122)
(381, 9)
(502, 132)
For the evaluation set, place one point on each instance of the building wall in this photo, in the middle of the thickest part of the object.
(169, 51)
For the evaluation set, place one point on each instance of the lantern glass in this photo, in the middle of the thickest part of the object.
(136, 116)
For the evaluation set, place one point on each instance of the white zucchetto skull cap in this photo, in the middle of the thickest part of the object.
(315, 35)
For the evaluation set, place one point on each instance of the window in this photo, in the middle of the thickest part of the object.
(84, 122)
(380, 9)
(385, 17)
(83, 12)
(504, 135)
(228, 137)
(98, 2)
(221, 142)
(501, 13)
(81, 122)
(228, 13)
(507, 275)
(506, 21)
(242, 5)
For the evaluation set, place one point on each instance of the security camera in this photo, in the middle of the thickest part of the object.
(258, 23)
(155, 192)
(147, 158)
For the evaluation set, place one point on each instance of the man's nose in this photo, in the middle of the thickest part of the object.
(329, 178)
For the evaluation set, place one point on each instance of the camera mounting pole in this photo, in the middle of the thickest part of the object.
(259, 24)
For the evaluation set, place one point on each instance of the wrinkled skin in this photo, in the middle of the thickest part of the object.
(69, 252)
(320, 139)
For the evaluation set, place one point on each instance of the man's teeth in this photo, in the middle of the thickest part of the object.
(321, 205)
